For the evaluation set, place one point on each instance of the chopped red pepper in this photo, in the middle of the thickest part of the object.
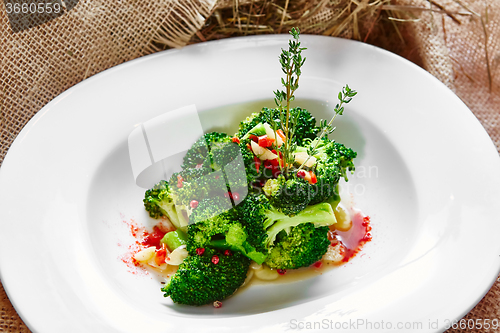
(254, 138)
(267, 164)
(215, 259)
(160, 256)
(301, 174)
(265, 141)
(236, 140)
(257, 162)
(193, 204)
(154, 238)
(217, 304)
(281, 271)
(235, 196)
(281, 134)
(227, 253)
(200, 251)
(313, 180)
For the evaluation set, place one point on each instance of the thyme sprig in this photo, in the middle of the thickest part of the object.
(291, 62)
(344, 97)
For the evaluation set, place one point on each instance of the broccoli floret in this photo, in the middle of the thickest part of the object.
(346, 155)
(196, 184)
(301, 247)
(212, 172)
(215, 224)
(203, 279)
(257, 210)
(230, 160)
(290, 196)
(305, 129)
(333, 160)
(198, 154)
(158, 201)
(250, 122)
(236, 240)
(258, 214)
(209, 220)
(306, 125)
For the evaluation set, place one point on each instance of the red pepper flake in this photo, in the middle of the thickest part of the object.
(318, 264)
(227, 253)
(217, 304)
(301, 174)
(281, 271)
(193, 204)
(215, 259)
(236, 140)
(200, 251)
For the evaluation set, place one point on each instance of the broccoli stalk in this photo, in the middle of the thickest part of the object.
(257, 210)
(159, 201)
(319, 215)
(236, 240)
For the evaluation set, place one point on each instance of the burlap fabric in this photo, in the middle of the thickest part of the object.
(455, 40)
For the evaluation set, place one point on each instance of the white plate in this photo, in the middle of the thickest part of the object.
(428, 175)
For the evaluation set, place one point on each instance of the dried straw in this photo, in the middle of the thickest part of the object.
(371, 21)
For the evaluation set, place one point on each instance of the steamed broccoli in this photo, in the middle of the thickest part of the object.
(257, 210)
(236, 239)
(215, 224)
(290, 196)
(159, 201)
(199, 153)
(305, 129)
(333, 160)
(206, 278)
(210, 219)
(267, 194)
(330, 161)
(196, 184)
(304, 245)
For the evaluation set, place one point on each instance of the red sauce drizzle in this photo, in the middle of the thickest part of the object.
(355, 238)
